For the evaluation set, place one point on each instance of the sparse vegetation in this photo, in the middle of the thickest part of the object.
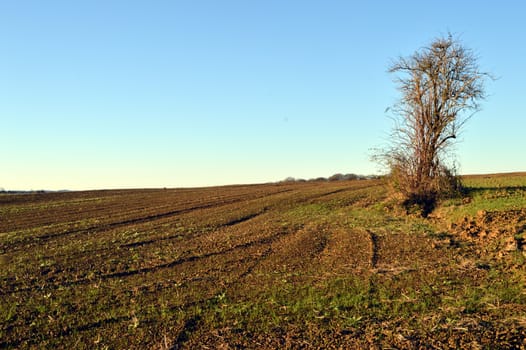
(293, 265)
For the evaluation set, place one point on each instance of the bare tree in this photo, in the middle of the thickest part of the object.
(441, 87)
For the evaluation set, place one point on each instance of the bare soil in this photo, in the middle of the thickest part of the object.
(301, 265)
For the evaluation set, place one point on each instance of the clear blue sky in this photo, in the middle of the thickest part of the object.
(119, 94)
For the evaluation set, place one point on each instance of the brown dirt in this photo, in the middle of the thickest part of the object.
(498, 233)
(141, 269)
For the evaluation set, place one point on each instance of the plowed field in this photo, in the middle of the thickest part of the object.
(299, 265)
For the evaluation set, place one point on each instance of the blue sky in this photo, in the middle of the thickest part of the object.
(120, 94)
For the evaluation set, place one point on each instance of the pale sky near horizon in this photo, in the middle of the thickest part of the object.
(124, 94)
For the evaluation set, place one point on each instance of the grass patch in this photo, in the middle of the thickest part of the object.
(486, 193)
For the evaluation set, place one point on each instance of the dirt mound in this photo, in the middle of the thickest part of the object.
(500, 231)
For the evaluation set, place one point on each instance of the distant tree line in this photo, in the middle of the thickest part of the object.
(335, 177)
(4, 191)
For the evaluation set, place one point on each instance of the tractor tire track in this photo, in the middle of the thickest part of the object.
(373, 249)
(26, 241)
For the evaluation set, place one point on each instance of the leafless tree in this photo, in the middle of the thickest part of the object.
(441, 87)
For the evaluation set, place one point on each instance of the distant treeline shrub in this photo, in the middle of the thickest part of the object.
(335, 177)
